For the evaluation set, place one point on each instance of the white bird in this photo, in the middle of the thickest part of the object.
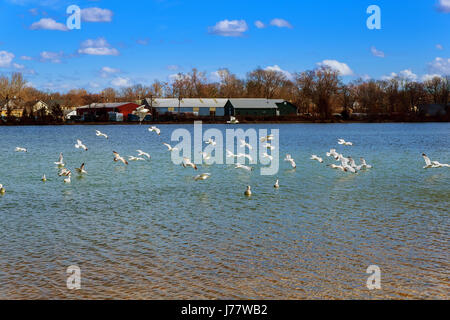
(267, 138)
(269, 146)
(265, 155)
(64, 172)
(100, 134)
(60, 162)
(290, 160)
(188, 163)
(248, 192)
(206, 156)
(67, 180)
(19, 149)
(169, 147)
(117, 157)
(44, 178)
(349, 168)
(334, 166)
(80, 145)
(241, 166)
(433, 164)
(333, 154)
(2, 190)
(133, 158)
(202, 176)
(345, 143)
(276, 185)
(364, 165)
(210, 141)
(314, 157)
(245, 144)
(155, 129)
(230, 154)
(81, 169)
(243, 155)
(142, 153)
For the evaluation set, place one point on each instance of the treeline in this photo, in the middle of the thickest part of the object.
(319, 93)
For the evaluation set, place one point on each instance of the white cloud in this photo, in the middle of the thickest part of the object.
(376, 52)
(444, 6)
(6, 58)
(48, 56)
(439, 46)
(96, 15)
(143, 42)
(107, 71)
(280, 23)
(427, 77)
(173, 67)
(406, 74)
(342, 68)
(259, 24)
(278, 69)
(26, 58)
(48, 24)
(229, 28)
(18, 66)
(121, 82)
(99, 47)
(440, 66)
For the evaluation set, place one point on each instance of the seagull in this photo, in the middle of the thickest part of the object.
(206, 156)
(265, 155)
(314, 157)
(188, 163)
(155, 129)
(81, 145)
(334, 166)
(349, 168)
(267, 138)
(230, 154)
(276, 185)
(345, 143)
(333, 153)
(19, 149)
(133, 158)
(364, 165)
(241, 166)
(290, 160)
(2, 190)
(44, 178)
(117, 157)
(248, 192)
(243, 155)
(60, 162)
(245, 144)
(100, 134)
(81, 169)
(142, 153)
(352, 163)
(433, 164)
(64, 172)
(211, 142)
(170, 147)
(269, 146)
(67, 180)
(202, 176)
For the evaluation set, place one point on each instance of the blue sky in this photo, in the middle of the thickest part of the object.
(128, 42)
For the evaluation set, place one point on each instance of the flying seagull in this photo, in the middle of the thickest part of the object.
(142, 153)
(81, 169)
(117, 157)
(202, 176)
(188, 163)
(314, 157)
(169, 147)
(155, 129)
(19, 149)
(345, 143)
(100, 134)
(433, 164)
(245, 144)
(60, 162)
(290, 160)
(80, 145)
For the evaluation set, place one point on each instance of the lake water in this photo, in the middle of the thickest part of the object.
(149, 231)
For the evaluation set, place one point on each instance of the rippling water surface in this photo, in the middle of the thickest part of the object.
(149, 231)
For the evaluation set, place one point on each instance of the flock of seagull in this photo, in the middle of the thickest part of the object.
(345, 164)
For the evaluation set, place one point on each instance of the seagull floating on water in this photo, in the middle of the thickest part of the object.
(276, 185)
(433, 164)
(2, 189)
(67, 180)
(117, 157)
(19, 149)
(44, 178)
(80, 145)
(100, 134)
(248, 192)
(345, 143)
